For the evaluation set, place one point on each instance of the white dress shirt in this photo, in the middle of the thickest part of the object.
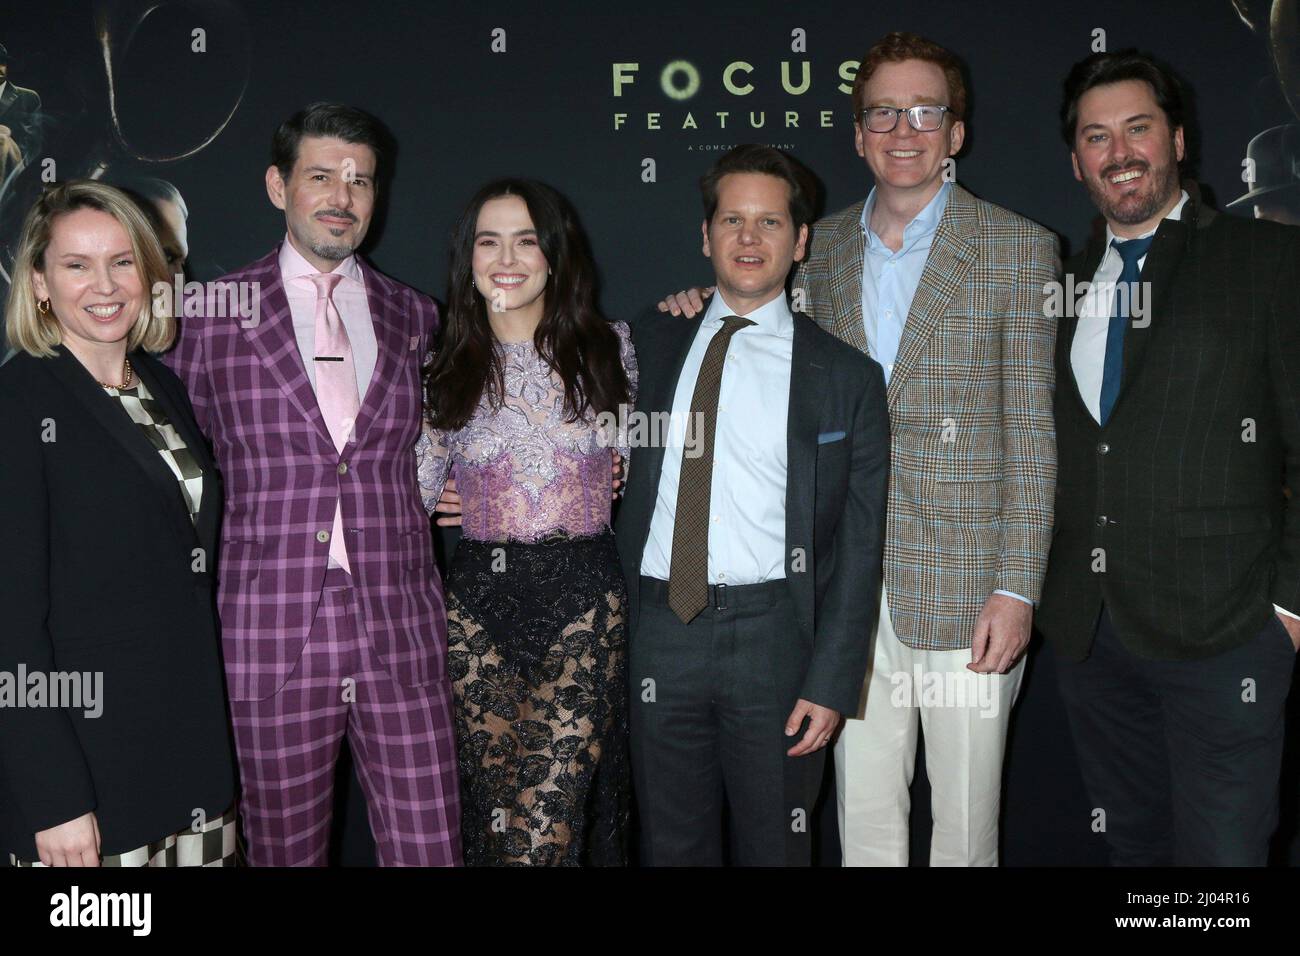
(1088, 350)
(747, 499)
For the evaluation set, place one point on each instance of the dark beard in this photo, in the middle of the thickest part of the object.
(1132, 210)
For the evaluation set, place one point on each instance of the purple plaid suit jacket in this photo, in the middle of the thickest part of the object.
(283, 476)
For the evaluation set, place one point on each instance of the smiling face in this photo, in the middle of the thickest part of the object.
(752, 240)
(905, 160)
(509, 267)
(1127, 156)
(328, 199)
(90, 276)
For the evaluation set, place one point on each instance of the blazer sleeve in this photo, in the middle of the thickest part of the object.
(187, 361)
(1028, 426)
(432, 464)
(847, 615)
(627, 356)
(40, 752)
(1284, 380)
(430, 320)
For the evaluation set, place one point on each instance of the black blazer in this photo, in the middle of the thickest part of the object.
(835, 493)
(101, 570)
(1181, 492)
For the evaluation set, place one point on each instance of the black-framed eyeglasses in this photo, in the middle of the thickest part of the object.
(925, 118)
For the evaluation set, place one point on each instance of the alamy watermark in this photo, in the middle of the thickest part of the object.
(213, 300)
(958, 689)
(634, 429)
(1097, 300)
(74, 690)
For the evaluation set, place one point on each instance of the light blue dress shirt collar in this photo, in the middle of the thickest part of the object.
(925, 223)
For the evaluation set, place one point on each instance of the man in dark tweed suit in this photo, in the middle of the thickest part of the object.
(1175, 567)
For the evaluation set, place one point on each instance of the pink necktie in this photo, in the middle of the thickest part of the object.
(336, 388)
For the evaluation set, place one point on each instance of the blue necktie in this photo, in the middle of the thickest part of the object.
(1113, 370)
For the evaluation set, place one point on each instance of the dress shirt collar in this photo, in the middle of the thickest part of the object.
(294, 266)
(925, 223)
(772, 318)
(2, 87)
(1175, 213)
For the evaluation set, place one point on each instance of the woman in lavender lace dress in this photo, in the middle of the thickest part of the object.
(535, 596)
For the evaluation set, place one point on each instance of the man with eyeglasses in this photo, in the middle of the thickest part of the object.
(946, 292)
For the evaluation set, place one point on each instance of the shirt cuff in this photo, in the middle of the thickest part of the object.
(1285, 612)
(1013, 594)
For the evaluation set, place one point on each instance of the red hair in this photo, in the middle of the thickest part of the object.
(897, 47)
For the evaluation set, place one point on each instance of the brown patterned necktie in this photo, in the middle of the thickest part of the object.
(688, 574)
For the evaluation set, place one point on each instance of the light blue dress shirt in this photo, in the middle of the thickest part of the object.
(889, 278)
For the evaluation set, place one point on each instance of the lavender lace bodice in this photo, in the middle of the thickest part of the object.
(522, 470)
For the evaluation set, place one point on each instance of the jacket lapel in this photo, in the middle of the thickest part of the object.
(110, 415)
(951, 255)
(646, 465)
(848, 250)
(1171, 243)
(802, 421)
(205, 524)
(277, 345)
(391, 341)
(1086, 268)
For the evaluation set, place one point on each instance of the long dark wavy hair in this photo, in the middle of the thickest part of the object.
(572, 337)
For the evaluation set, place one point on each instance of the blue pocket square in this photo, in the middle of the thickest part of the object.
(825, 438)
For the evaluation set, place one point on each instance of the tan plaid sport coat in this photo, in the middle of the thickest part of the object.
(973, 446)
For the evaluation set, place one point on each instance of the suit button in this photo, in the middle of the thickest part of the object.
(322, 536)
(343, 468)
(1101, 521)
(1103, 448)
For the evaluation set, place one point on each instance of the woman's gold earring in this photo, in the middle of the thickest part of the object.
(43, 307)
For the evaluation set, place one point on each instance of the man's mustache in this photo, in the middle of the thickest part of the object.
(1118, 168)
(337, 214)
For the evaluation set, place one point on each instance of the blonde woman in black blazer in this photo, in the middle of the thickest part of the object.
(110, 505)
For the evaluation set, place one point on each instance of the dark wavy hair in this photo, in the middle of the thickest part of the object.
(1101, 69)
(337, 120)
(573, 337)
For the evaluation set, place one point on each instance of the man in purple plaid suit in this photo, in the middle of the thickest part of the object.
(331, 606)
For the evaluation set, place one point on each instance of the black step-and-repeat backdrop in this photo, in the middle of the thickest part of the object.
(622, 105)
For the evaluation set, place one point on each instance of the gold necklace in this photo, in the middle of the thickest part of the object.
(126, 381)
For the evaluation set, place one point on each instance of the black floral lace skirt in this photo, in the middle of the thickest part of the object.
(538, 659)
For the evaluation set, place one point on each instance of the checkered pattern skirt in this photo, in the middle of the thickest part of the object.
(214, 844)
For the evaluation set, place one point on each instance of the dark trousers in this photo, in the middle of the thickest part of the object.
(1181, 758)
(709, 701)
